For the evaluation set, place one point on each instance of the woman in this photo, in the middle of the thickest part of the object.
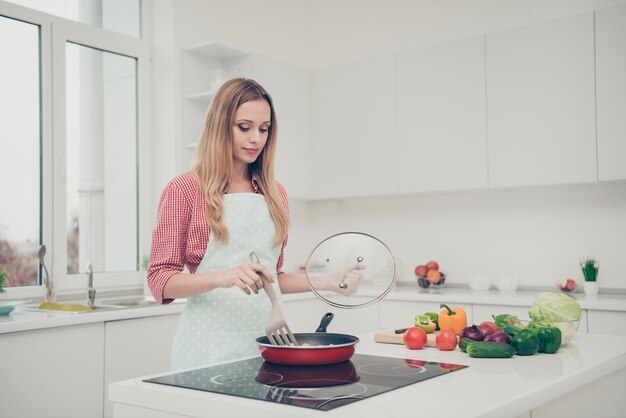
(211, 218)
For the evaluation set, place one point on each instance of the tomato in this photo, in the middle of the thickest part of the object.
(446, 340)
(415, 338)
(416, 364)
(493, 325)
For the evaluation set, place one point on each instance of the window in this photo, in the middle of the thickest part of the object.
(101, 198)
(20, 151)
(123, 16)
(71, 178)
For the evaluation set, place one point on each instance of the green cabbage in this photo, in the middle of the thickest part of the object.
(554, 307)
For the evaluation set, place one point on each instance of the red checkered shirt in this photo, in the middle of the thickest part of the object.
(181, 234)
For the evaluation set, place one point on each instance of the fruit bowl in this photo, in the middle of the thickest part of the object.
(566, 286)
(424, 283)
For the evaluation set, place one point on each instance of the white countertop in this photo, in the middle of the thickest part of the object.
(413, 293)
(487, 388)
(409, 292)
(22, 320)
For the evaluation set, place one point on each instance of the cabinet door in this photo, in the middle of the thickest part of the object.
(401, 314)
(355, 129)
(442, 135)
(607, 322)
(291, 90)
(137, 347)
(611, 92)
(52, 372)
(540, 103)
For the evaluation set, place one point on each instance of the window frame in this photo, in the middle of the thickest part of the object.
(55, 33)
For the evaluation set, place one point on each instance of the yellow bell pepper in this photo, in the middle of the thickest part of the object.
(452, 319)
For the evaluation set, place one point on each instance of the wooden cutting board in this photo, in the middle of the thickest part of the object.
(391, 337)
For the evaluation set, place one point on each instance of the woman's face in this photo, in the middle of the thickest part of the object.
(250, 130)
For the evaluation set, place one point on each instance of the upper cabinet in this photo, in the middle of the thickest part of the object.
(442, 140)
(611, 92)
(541, 103)
(355, 129)
(536, 105)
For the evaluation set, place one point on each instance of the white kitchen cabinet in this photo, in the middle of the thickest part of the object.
(607, 322)
(541, 103)
(203, 69)
(611, 92)
(442, 135)
(291, 90)
(355, 129)
(137, 347)
(304, 315)
(52, 372)
(401, 314)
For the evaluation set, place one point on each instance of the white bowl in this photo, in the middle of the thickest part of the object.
(507, 283)
(479, 283)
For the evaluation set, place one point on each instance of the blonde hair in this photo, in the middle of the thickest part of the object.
(214, 156)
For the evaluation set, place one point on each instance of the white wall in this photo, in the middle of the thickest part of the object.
(539, 232)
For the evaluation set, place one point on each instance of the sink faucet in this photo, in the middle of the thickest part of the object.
(91, 291)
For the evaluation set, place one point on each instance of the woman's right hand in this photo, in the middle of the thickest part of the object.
(245, 277)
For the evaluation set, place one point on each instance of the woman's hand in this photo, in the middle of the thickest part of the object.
(245, 277)
(345, 281)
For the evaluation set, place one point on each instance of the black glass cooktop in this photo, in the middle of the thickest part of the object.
(315, 387)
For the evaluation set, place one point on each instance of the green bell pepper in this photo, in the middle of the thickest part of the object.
(501, 320)
(433, 317)
(424, 322)
(526, 342)
(511, 330)
(550, 339)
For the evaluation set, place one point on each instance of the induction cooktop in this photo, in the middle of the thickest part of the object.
(316, 387)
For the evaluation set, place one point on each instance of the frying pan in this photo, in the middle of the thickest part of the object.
(315, 349)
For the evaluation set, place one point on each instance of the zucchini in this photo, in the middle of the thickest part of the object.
(464, 343)
(484, 349)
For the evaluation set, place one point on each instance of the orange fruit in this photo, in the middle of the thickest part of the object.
(433, 276)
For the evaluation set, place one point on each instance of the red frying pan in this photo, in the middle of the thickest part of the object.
(316, 348)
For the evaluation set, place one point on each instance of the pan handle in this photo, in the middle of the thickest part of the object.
(325, 321)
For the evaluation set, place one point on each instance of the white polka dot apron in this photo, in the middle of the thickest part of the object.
(223, 324)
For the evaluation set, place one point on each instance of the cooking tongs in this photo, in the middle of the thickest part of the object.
(276, 328)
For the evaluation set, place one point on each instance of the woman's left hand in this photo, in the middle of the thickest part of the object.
(345, 281)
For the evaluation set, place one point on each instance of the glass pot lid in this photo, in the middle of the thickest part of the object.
(351, 270)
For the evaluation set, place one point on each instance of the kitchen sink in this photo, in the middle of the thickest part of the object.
(96, 308)
(104, 305)
(132, 303)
